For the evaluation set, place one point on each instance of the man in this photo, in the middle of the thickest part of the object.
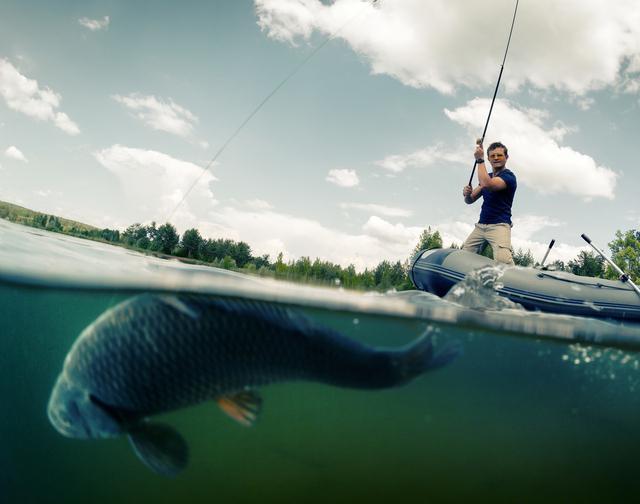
(497, 190)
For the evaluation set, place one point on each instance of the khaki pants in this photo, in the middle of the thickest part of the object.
(498, 236)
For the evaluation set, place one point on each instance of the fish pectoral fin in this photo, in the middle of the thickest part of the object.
(244, 407)
(160, 447)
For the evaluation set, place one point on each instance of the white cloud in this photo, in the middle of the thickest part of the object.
(14, 153)
(536, 156)
(584, 103)
(95, 24)
(525, 226)
(270, 232)
(159, 114)
(574, 45)
(155, 183)
(26, 96)
(377, 209)
(392, 233)
(258, 204)
(421, 158)
(343, 177)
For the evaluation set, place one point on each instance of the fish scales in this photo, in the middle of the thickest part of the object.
(154, 357)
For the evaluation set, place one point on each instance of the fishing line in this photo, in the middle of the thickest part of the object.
(264, 101)
(481, 140)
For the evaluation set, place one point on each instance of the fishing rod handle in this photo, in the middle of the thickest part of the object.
(472, 173)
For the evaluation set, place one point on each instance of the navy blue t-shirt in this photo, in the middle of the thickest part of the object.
(496, 207)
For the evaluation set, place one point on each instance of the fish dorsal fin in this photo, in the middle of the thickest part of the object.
(180, 305)
(160, 447)
(244, 407)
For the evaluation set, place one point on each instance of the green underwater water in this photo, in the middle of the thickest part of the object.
(514, 419)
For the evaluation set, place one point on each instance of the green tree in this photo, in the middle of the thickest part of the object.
(206, 251)
(302, 267)
(152, 234)
(166, 239)
(587, 264)
(398, 276)
(229, 263)
(522, 258)
(262, 261)
(53, 223)
(191, 241)
(428, 240)
(367, 279)
(39, 220)
(349, 276)
(49, 222)
(241, 253)
(280, 267)
(112, 235)
(388, 275)
(625, 252)
(135, 233)
(143, 242)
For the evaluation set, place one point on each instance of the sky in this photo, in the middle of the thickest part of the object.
(111, 113)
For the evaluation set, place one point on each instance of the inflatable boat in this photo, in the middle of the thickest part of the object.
(437, 270)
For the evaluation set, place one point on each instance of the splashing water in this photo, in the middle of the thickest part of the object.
(480, 290)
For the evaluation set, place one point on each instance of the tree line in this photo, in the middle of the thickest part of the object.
(386, 275)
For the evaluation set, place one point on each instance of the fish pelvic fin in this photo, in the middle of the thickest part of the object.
(160, 447)
(421, 356)
(244, 407)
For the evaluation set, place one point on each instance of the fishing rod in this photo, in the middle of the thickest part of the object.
(481, 139)
(624, 278)
(295, 70)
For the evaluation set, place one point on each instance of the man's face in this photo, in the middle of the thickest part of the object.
(497, 158)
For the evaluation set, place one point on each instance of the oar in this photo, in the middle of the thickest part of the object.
(624, 278)
(547, 253)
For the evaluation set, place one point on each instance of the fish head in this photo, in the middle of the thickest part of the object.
(75, 413)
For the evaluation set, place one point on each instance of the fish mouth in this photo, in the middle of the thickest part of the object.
(76, 413)
(68, 421)
(120, 419)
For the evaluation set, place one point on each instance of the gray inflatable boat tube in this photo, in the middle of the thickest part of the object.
(437, 270)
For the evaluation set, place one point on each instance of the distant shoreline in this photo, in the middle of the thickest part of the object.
(164, 242)
(386, 276)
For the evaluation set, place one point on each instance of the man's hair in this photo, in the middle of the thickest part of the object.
(498, 145)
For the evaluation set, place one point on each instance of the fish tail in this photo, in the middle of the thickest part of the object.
(421, 356)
